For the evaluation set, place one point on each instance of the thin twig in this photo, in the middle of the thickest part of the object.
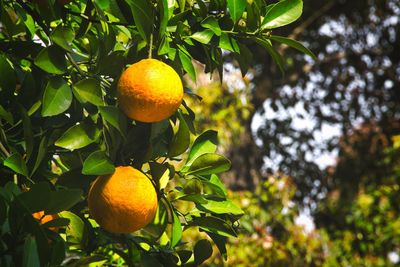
(75, 64)
(83, 16)
(151, 46)
(4, 150)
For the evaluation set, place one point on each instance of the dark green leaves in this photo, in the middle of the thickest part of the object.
(236, 8)
(31, 256)
(57, 97)
(202, 251)
(78, 136)
(63, 37)
(97, 163)
(7, 77)
(52, 60)
(143, 16)
(282, 13)
(274, 54)
(89, 90)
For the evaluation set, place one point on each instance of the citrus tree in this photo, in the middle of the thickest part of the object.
(97, 161)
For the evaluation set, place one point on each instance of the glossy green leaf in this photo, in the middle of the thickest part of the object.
(203, 37)
(89, 90)
(30, 255)
(78, 136)
(212, 23)
(209, 163)
(160, 174)
(143, 16)
(228, 43)
(236, 8)
(205, 143)
(221, 207)
(181, 140)
(16, 163)
(216, 186)
(57, 97)
(97, 163)
(294, 44)
(63, 36)
(282, 13)
(75, 231)
(202, 251)
(187, 64)
(164, 16)
(113, 116)
(52, 60)
(176, 230)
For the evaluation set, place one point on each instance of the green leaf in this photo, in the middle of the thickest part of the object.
(97, 163)
(7, 116)
(202, 251)
(57, 97)
(113, 116)
(274, 54)
(214, 225)
(37, 198)
(216, 185)
(211, 23)
(228, 43)
(209, 163)
(187, 64)
(293, 43)
(221, 207)
(78, 136)
(62, 200)
(160, 174)
(282, 13)
(52, 60)
(164, 16)
(40, 154)
(28, 133)
(236, 8)
(63, 36)
(220, 241)
(205, 143)
(143, 16)
(176, 230)
(16, 163)
(203, 37)
(89, 90)
(181, 140)
(75, 231)
(8, 79)
(30, 255)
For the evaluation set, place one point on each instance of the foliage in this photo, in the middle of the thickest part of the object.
(61, 127)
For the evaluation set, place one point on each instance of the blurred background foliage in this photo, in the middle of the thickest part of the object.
(322, 141)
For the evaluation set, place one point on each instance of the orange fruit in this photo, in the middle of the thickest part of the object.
(124, 201)
(46, 218)
(149, 91)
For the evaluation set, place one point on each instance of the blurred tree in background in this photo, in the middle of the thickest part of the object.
(330, 125)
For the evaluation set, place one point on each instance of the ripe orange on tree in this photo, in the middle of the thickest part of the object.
(124, 201)
(149, 91)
